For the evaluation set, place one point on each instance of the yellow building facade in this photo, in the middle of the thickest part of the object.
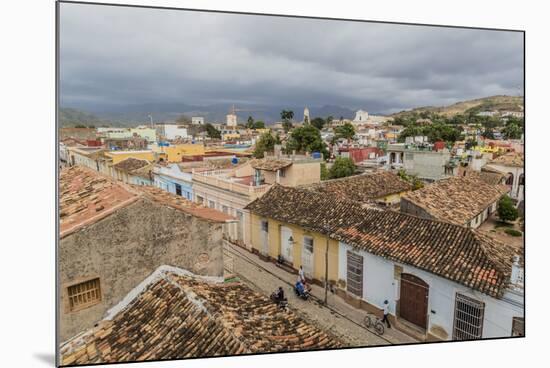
(314, 263)
(175, 153)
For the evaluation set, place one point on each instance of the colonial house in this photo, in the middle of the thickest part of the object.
(381, 187)
(99, 264)
(175, 314)
(511, 164)
(174, 179)
(133, 171)
(230, 190)
(423, 161)
(462, 200)
(442, 281)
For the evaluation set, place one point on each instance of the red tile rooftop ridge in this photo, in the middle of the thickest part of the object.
(86, 196)
(174, 314)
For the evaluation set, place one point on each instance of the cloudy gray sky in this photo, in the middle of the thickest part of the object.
(116, 56)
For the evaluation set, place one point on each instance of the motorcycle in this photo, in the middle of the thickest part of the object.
(303, 294)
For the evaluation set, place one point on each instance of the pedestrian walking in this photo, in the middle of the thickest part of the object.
(386, 309)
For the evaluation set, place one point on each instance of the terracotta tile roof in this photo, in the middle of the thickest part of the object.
(86, 196)
(270, 164)
(454, 252)
(514, 159)
(363, 188)
(179, 317)
(130, 164)
(183, 204)
(489, 177)
(309, 209)
(457, 199)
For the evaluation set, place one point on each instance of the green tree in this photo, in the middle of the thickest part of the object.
(318, 123)
(330, 118)
(306, 138)
(346, 131)
(80, 126)
(259, 125)
(342, 167)
(287, 116)
(212, 132)
(250, 122)
(506, 210)
(265, 143)
(512, 130)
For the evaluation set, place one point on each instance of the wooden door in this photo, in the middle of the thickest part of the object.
(413, 300)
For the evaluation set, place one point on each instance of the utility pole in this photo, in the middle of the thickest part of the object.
(326, 272)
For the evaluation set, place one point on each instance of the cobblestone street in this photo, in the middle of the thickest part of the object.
(339, 318)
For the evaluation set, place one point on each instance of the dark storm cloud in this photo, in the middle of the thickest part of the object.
(117, 56)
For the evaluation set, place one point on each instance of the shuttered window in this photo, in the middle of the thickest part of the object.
(468, 322)
(355, 274)
(84, 294)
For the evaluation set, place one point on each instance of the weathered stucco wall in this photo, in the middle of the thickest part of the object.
(127, 246)
(319, 247)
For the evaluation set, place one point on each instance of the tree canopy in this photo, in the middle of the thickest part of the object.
(506, 210)
(434, 132)
(346, 131)
(306, 139)
(318, 123)
(212, 132)
(342, 167)
(287, 116)
(513, 129)
(265, 143)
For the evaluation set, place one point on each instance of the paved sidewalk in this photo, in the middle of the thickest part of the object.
(339, 318)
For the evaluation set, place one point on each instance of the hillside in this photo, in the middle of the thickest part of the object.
(493, 103)
(72, 117)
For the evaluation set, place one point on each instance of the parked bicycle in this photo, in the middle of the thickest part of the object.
(375, 322)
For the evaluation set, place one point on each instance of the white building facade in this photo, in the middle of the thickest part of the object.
(452, 311)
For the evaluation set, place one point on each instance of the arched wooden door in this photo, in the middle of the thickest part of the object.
(413, 300)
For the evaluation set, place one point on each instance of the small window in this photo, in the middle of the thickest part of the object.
(225, 209)
(308, 244)
(211, 204)
(84, 294)
(518, 326)
(282, 173)
(200, 200)
(265, 225)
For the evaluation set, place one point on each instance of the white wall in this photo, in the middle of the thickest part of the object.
(174, 131)
(379, 285)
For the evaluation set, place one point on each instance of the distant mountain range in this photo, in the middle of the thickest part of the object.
(131, 115)
(138, 114)
(492, 103)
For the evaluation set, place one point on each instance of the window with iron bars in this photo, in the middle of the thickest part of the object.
(468, 321)
(355, 274)
(84, 294)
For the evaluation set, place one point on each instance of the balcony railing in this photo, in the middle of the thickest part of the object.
(224, 183)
